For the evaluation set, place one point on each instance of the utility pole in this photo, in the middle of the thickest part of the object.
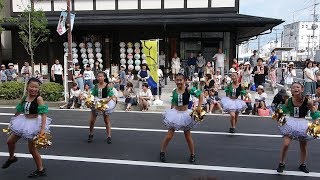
(308, 47)
(314, 27)
(68, 61)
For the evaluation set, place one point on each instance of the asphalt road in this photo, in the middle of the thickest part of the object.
(252, 153)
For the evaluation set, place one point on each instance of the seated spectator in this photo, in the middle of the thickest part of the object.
(213, 102)
(129, 76)
(218, 79)
(263, 110)
(209, 82)
(279, 99)
(38, 75)
(145, 97)
(116, 81)
(84, 94)
(195, 80)
(74, 99)
(259, 96)
(130, 95)
(247, 99)
(115, 91)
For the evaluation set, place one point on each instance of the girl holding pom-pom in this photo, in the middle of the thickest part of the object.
(29, 121)
(296, 125)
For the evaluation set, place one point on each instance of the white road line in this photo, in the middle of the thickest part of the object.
(168, 165)
(140, 112)
(162, 130)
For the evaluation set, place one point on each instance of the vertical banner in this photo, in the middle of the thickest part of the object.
(62, 28)
(150, 48)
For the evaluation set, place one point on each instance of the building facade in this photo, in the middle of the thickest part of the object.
(184, 26)
(302, 38)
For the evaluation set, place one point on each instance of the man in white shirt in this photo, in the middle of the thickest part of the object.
(57, 72)
(219, 59)
(88, 76)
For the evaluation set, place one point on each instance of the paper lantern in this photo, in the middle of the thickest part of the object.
(84, 56)
(129, 50)
(122, 55)
(75, 61)
(137, 62)
(130, 45)
(85, 61)
(65, 44)
(129, 56)
(89, 45)
(122, 44)
(142, 50)
(98, 50)
(130, 67)
(98, 55)
(137, 56)
(75, 56)
(91, 61)
(84, 66)
(123, 61)
(143, 56)
(65, 50)
(130, 61)
(90, 50)
(90, 56)
(83, 50)
(97, 44)
(82, 45)
(91, 65)
(100, 60)
(137, 68)
(101, 66)
(137, 45)
(74, 45)
(124, 66)
(74, 50)
(137, 51)
(122, 50)
(144, 62)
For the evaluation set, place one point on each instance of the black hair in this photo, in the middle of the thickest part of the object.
(182, 75)
(298, 82)
(259, 59)
(145, 85)
(33, 79)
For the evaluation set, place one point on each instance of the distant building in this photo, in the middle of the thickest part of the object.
(299, 35)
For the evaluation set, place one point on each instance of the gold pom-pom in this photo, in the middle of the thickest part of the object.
(101, 105)
(89, 102)
(279, 116)
(42, 141)
(198, 116)
(6, 130)
(314, 129)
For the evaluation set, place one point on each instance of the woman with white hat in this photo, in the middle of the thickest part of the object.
(259, 97)
(290, 73)
(231, 103)
(246, 76)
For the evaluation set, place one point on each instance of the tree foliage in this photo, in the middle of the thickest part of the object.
(32, 29)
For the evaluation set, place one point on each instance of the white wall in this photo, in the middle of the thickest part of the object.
(168, 4)
(128, 4)
(150, 4)
(197, 4)
(105, 4)
(223, 3)
(81, 5)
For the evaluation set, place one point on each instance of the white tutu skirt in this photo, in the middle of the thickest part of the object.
(28, 128)
(112, 106)
(233, 105)
(178, 120)
(295, 128)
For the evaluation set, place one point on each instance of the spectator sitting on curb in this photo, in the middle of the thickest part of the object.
(279, 99)
(74, 100)
(259, 96)
(247, 99)
(130, 95)
(84, 94)
(213, 101)
(145, 97)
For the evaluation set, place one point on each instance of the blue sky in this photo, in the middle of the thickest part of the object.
(288, 10)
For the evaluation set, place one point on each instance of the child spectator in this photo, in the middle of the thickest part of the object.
(247, 99)
(213, 101)
(88, 76)
(38, 75)
(123, 79)
(259, 96)
(84, 94)
(116, 81)
(273, 77)
(130, 76)
(218, 79)
(74, 99)
(3, 76)
(131, 96)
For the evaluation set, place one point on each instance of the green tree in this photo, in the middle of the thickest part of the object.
(32, 29)
(1, 18)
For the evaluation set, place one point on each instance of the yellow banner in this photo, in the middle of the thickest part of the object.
(150, 49)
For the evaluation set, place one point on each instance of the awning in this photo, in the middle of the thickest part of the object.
(244, 26)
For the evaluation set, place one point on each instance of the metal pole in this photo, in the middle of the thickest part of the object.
(158, 84)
